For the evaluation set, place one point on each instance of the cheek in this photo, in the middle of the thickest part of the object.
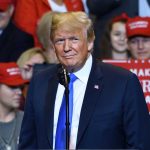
(58, 50)
(147, 46)
(131, 47)
(113, 39)
(114, 43)
(6, 95)
(9, 93)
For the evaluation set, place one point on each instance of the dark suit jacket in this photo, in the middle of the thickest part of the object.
(115, 116)
(104, 10)
(13, 42)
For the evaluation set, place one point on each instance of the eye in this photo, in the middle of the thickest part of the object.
(146, 39)
(74, 39)
(16, 87)
(59, 41)
(12, 87)
(133, 41)
(117, 33)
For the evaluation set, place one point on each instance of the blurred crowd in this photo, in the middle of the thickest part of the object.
(122, 30)
(25, 24)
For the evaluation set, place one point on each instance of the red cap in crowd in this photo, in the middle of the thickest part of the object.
(4, 4)
(123, 16)
(10, 74)
(138, 26)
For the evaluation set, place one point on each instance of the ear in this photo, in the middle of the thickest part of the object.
(90, 46)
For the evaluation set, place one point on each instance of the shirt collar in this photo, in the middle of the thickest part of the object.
(84, 72)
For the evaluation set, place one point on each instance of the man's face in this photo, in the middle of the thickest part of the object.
(10, 97)
(72, 48)
(140, 47)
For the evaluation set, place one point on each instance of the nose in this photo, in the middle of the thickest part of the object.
(18, 91)
(140, 44)
(123, 37)
(66, 45)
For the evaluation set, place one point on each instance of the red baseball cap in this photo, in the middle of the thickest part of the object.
(138, 26)
(10, 74)
(4, 4)
(121, 17)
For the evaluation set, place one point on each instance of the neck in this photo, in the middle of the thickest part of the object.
(116, 55)
(7, 115)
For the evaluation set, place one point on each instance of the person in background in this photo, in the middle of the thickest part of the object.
(114, 41)
(28, 59)
(11, 84)
(109, 109)
(34, 9)
(13, 41)
(105, 10)
(26, 63)
(138, 33)
(44, 33)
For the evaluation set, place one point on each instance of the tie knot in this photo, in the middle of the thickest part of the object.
(72, 77)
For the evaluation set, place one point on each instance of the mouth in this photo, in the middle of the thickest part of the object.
(121, 44)
(141, 53)
(68, 56)
(18, 99)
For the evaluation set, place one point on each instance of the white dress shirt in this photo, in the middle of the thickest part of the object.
(85, 6)
(56, 7)
(144, 8)
(79, 92)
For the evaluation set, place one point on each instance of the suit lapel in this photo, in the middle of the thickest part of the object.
(49, 107)
(92, 94)
(148, 1)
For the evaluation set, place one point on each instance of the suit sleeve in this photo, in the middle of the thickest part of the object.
(136, 118)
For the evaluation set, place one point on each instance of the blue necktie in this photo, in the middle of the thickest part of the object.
(60, 140)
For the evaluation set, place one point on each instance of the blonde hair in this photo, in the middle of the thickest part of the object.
(71, 21)
(25, 56)
(44, 30)
(43, 33)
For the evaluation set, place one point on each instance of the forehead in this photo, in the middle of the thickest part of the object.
(67, 33)
(139, 38)
(3, 86)
(118, 25)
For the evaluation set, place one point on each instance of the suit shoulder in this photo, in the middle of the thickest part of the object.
(118, 76)
(40, 70)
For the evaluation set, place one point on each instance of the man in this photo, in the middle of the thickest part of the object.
(138, 33)
(11, 84)
(109, 109)
(13, 41)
